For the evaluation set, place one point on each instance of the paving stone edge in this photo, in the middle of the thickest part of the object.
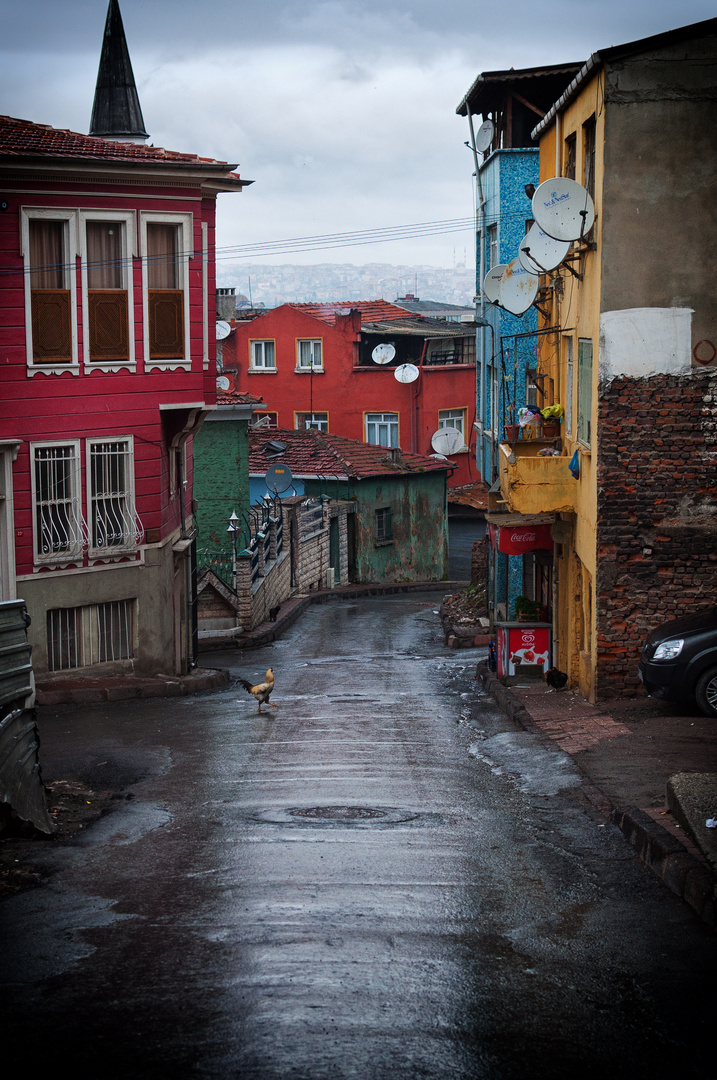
(676, 867)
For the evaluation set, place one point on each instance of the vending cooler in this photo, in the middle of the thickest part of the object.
(524, 649)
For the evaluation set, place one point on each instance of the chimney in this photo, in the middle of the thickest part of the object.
(226, 304)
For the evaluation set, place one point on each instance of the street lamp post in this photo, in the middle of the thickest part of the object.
(232, 530)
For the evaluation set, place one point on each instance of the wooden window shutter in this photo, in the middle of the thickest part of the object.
(109, 333)
(166, 324)
(51, 326)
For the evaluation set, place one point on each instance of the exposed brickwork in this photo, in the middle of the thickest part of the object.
(657, 513)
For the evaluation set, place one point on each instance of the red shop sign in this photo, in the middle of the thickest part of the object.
(520, 539)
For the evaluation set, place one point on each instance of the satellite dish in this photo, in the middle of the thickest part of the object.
(491, 282)
(447, 441)
(406, 373)
(518, 288)
(539, 252)
(563, 209)
(484, 136)
(383, 354)
(278, 478)
(223, 330)
(223, 383)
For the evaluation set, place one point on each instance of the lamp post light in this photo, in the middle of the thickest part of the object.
(233, 530)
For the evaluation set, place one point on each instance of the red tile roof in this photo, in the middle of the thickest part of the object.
(22, 138)
(317, 453)
(371, 310)
(236, 397)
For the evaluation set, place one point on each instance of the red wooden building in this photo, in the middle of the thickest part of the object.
(312, 364)
(106, 304)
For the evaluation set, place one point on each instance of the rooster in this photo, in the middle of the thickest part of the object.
(262, 691)
(555, 679)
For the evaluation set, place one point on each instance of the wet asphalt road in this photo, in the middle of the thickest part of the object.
(380, 878)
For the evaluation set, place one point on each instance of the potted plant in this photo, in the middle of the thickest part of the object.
(512, 430)
(552, 416)
(527, 610)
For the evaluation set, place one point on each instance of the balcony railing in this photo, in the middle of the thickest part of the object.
(530, 484)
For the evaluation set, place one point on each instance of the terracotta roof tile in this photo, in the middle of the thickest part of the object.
(236, 397)
(317, 453)
(371, 310)
(22, 138)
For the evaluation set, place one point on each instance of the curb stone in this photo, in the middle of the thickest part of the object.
(679, 870)
(89, 690)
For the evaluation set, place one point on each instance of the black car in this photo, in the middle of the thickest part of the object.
(679, 660)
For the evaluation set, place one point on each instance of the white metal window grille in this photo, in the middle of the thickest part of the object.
(95, 634)
(382, 429)
(318, 421)
(263, 354)
(452, 418)
(384, 524)
(309, 354)
(114, 523)
(60, 529)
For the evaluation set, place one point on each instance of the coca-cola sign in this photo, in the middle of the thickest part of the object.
(519, 540)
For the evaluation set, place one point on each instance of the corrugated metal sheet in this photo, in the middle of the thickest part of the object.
(21, 785)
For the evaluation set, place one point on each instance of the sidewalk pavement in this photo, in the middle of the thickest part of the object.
(648, 766)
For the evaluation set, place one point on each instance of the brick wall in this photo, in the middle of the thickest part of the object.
(657, 513)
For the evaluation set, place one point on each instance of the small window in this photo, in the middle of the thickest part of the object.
(492, 245)
(263, 355)
(318, 421)
(453, 418)
(309, 355)
(95, 634)
(568, 341)
(384, 525)
(570, 156)
(585, 389)
(589, 156)
(382, 429)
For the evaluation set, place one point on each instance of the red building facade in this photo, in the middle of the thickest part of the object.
(312, 364)
(106, 299)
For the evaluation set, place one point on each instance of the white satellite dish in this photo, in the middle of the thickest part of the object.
(223, 330)
(491, 282)
(406, 373)
(563, 209)
(383, 354)
(223, 383)
(518, 288)
(539, 252)
(447, 441)
(484, 136)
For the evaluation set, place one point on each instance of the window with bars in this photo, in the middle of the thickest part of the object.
(94, 634)
(382, 429)
(263, 355)
(60, 532)
(318, 421)
(114, 525)
(309, 355)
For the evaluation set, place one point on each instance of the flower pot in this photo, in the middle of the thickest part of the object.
(512, 432)
(551, 429)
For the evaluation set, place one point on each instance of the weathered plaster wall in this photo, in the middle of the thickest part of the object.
(657, 528)
(660, 193)
(419, 551)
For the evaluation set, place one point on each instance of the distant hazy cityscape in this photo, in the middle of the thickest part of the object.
(324, 282)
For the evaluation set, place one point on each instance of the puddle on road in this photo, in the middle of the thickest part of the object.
(522, 760)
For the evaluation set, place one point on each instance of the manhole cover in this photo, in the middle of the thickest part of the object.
(337, 813)
(347, 816)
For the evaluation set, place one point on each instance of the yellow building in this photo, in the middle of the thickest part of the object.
(627, 325)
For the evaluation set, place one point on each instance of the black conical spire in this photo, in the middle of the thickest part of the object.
(116, 113)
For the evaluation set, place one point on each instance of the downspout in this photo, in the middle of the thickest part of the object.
(414, 412)
(480, 229)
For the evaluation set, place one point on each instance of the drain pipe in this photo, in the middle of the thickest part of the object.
(480, 297)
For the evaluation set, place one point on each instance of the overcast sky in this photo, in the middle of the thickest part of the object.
(343, 113)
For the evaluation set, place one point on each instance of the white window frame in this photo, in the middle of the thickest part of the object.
(131, 525)
(319, 421)
(128, 221)
(388, 419)
(316, 345)
(263, 366)
(447, 419)
(185, 222)
(78, 539)
(69, 217)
